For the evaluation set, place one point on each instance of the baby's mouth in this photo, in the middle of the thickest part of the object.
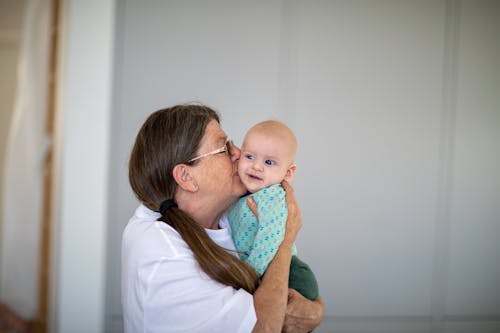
(253, 177)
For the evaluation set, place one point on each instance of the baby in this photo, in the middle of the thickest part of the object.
(267, 158)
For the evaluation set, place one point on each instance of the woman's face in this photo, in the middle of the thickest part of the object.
(217, 174)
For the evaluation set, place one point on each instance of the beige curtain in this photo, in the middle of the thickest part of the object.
(23, 170)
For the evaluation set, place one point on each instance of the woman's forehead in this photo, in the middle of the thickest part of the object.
(214, 132)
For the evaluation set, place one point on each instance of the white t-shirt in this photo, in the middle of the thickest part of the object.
(164, 288)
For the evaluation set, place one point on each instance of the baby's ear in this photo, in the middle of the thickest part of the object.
(290, 172)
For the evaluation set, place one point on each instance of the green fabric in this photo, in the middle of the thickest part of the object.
(302, 279)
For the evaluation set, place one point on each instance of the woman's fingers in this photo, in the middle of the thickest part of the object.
(291, 201)
(294, 220)
(287, 187)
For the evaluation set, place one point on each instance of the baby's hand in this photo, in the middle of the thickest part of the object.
(253, 206)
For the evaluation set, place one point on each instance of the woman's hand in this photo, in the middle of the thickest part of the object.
(302, 315)
(294, 220)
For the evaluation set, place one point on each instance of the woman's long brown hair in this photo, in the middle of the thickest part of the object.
(169, 137)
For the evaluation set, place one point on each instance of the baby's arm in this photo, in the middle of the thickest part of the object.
(272, 215)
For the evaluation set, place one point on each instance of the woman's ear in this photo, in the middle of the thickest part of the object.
(184, 178)
(290, 172)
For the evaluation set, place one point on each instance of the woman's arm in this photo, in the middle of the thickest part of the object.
(302, 315)
(270, 299)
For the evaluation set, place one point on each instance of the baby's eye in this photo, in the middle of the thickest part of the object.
(249, 157)
(269, 162)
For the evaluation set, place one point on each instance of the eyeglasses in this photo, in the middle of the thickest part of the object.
(227, 148)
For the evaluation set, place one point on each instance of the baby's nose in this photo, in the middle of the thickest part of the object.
(257, 166)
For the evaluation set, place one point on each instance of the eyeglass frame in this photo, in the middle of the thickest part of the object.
(224, 149)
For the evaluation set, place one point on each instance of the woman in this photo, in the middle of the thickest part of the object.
(179, 269)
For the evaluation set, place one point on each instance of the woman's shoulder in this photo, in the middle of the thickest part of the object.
(148, 237)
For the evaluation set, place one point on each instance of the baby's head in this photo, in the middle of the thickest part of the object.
(267, 155)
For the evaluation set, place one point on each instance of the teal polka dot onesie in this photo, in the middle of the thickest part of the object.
(257, 241)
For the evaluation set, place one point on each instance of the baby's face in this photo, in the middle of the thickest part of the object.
(265, 160)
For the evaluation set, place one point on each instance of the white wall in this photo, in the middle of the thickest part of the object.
(82, 165)
(474, 240)
(397, 111)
